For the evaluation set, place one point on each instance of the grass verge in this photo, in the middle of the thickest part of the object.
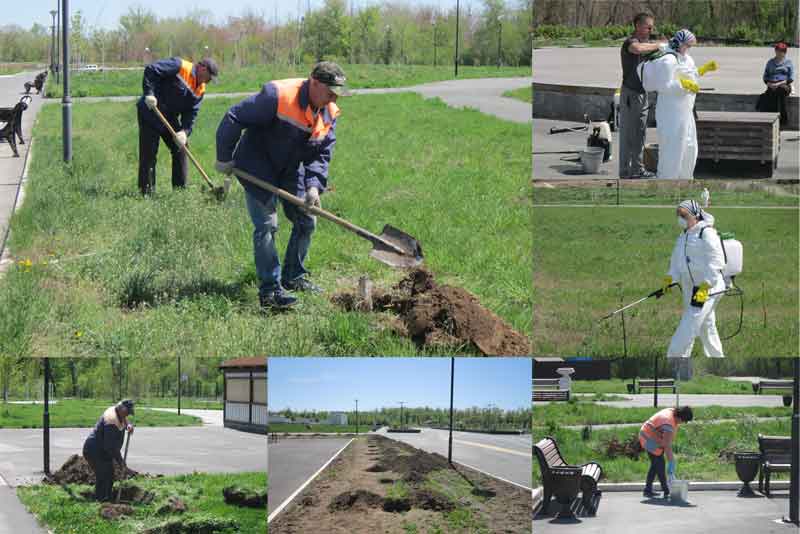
(523, 93)
(81, 413)
(322, 428)
(201, 492)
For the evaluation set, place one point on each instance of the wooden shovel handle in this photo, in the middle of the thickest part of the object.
(185, 148)
(376, 239)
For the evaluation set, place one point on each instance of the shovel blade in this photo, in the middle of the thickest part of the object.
(412, 250)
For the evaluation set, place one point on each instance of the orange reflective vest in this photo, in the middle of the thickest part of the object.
(186, 75)
(653, 429)
(291, 111)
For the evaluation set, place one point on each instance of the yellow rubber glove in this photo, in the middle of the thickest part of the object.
(711, 66)
(666, 283)
(689, 85)
(701, 295)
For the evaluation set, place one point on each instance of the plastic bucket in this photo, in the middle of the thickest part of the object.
(591, 158)
(679, 490)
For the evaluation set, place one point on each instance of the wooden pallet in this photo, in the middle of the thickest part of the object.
(738, 135)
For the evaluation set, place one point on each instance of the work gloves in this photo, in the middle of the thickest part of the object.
(701, 295)
(690, 85)
(129, 428)
(312, 197)
(180, 138)
(150, 101)
(224, 167)
(711, 66)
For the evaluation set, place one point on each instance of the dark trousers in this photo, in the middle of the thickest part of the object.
(149, 138)
(104, 474)
(657, 468)
(774, 100)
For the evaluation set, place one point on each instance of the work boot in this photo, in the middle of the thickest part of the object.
(276, 300)
(302, 284)
(649, 493)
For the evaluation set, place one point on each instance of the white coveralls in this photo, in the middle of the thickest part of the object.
(694, 261)
(677, 132)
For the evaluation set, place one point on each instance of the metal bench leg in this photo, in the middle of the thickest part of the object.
(766, 483)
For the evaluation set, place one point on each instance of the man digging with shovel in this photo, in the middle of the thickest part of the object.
(103, 446)
(284, 135)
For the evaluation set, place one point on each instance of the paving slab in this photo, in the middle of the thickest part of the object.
(707, 512)
(14, 517)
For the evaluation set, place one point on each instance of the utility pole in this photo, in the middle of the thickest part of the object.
(66, 99)
(499, 41)
(46, 417)
(433, 23)
(179, 385)
(356, 417)
(458, 10)
(401, 414)
(794, 480)
(53, 14)
(450, 438)
(58, 39)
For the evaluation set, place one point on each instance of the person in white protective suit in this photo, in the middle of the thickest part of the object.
(697, 264)
(673, 75)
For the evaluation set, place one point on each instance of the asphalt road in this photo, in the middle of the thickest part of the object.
(293, 461)
(169, 451)
(708, 512)
(504, 456)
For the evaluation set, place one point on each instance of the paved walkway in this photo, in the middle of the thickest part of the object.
(668, 399)
(209, 417)
(14, 517)
(11, 89)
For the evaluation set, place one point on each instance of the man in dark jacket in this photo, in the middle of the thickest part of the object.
(283, 135)
(103, 446)
(176, 87)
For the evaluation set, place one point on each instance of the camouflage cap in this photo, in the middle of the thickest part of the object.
(331, 75)
(211, 65)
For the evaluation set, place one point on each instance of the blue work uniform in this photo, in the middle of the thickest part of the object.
(277, 136)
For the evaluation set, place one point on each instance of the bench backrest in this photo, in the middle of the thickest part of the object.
(649, 382)
(546, 383)
(775, 383)
(775, 449)
(548, 455)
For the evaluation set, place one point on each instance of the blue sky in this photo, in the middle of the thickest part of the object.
(334, 383)
(105, 13)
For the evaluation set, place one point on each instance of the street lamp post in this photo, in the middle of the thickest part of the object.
(794, 477)
(456, 55)
(433, 23)
(53, 13)
(401, 414)
(46, 417)
(58, 39)
(66, 99)
(499, 42)
(450, 438)
(356, 417)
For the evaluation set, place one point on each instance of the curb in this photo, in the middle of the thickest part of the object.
(5, 256)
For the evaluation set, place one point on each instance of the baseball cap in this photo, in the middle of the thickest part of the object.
(331, 75)
(128, 404)
(781, 46)
(211, 65)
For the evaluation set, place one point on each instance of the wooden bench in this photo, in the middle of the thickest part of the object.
(648, 383)
(548, 456)
(761, 385)
(37, 83)
(739, 135)
(549, 389)
(776, 457)
(12, 117)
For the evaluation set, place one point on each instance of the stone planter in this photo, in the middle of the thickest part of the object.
(747, 465)
(566, 484)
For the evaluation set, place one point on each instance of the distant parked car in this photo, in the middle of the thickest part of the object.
(90, 68)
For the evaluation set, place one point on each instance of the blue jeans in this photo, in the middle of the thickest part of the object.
(264, 216)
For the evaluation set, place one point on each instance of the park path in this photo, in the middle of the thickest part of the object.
(11, 168)
(209, 417)
(645, 400)
(14, 517)
(706, 421)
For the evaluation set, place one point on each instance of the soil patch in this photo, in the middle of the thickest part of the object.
(396, 505)
(630, 448)
(194, 526)
(439, 314)
(76, 470)
(174, 505)
(132, 494)
(245, 497)
(115, 511)
(355, 499)
(432, 500)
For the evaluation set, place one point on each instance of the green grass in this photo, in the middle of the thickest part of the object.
(590, 261)
(697, 449)
(322, 428)
(16, 68)
(79, 413)
(186, 402)
(699, 384)
(250, 79)
(201, 492)
(588, 413)
(665, 192)
(523, 93)
(174, 274)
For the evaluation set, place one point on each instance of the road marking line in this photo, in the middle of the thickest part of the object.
(493, 447)
(494, 476)
(306, 483)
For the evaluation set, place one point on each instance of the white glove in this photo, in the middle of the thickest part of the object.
(129, 428)
(150, 101)
(180, 138)
(312, 197)
(224, 167)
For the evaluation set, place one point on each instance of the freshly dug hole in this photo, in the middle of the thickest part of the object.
(245, 497)
(196, 525)
(111, 511)
(355, 499)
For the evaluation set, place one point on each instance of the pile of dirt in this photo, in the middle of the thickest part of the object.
(432, 500)
(246, 498)
(133, 494)
(195, 525)
(435, 314)
(111, 511)
(174, 505)
(630, 448)
(76, 470)
(355, 499)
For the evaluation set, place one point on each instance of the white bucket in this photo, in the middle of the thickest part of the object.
(679, 490)
(591, 158)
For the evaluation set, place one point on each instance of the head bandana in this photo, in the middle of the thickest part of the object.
(682, 37)
(694, 208)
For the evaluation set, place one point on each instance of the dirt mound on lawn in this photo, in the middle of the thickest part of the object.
(195, 525)
(115, 511)
(76, 470)
(355, 499)
(435, 314)
(245, 497)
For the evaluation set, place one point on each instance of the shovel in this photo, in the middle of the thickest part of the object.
(124, 465)
(218, 192)
(393, 247)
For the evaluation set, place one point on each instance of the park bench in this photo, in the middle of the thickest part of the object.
(272, 437)
(762, 385)
(37, 83)
(549, 389)
(776, 457)
(12, 129)
(648, 383)
(549, 457)
(740, 136)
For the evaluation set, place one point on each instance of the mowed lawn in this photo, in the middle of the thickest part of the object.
(103, 272)
(590, 261)
(83, 413)
(523, 93)
(247, 79)
(201, 492)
